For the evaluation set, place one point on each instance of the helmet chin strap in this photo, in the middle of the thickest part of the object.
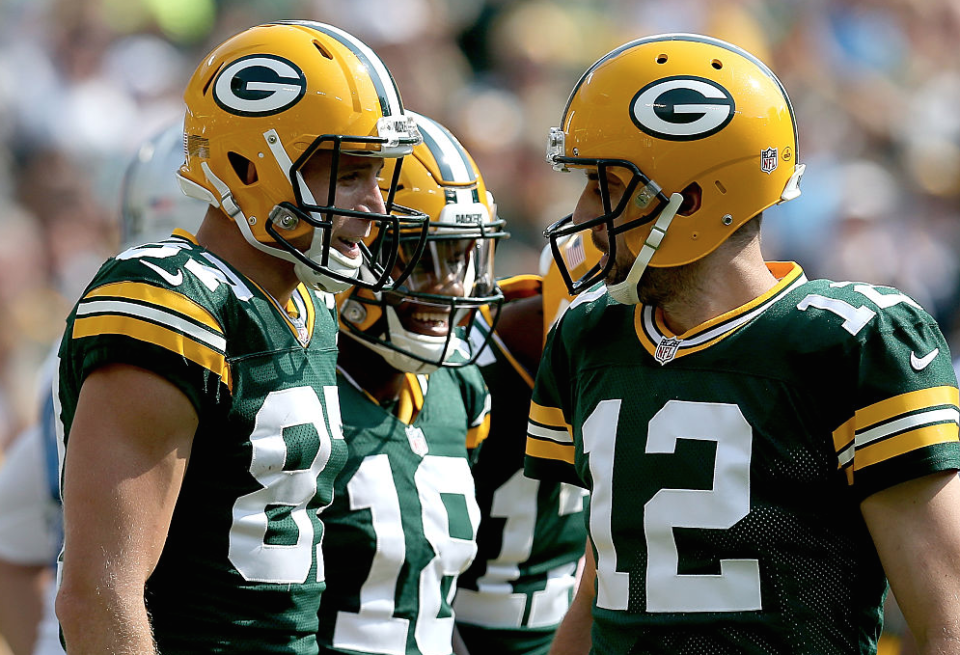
(336, 261)
(422, 345)
(230, 207)
(626, 292)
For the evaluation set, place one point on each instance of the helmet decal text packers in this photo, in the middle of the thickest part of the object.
(682, 108)
(259, 85)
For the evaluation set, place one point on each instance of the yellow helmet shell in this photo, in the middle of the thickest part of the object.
(688, 110)
(280, 85)
(441, 174)
(441, 180)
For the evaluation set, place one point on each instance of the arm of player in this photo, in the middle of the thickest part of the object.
(916, 528)
(573, 635)
(125, 461)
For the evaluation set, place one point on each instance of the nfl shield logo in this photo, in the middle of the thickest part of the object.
(418, 442)
(768, 160)
(666, 350)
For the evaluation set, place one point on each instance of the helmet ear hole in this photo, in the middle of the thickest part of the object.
(323, 50)
(243, 167)
(692, 196)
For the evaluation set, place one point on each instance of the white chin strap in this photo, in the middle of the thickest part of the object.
(626, 292)
(337, 262)
(428, 347)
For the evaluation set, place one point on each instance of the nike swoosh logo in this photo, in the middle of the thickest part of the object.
(920, 363)
(172, 280)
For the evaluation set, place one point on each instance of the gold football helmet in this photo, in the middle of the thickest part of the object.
(271, 97)
(424, 323)
(701, 134)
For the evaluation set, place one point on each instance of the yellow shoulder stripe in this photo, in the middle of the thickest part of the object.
(908, 402)
(550, 450)
(410, 401)
(929, 435)
(478, 434)
(158, 335)
(520, 286)
(549, 416)
(892, 407)
(169, 300)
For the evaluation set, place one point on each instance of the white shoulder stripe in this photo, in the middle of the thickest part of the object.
(58, 418)
(88, 307)
(907, 423)
(558, 436)
(588, 296)
(424, 382)
(846, 455)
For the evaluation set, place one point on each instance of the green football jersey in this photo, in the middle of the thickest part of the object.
(514, 595)
(404, 519)
(241, 570)
(726, 465)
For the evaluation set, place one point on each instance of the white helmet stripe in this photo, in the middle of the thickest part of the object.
(455, 166)
(465, 197)
(382, 79)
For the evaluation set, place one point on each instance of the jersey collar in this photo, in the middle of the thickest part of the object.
(299, 314)
(410, 400)
(665, 346)
(183, 234)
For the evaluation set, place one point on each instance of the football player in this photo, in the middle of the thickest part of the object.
(404, 519)
(514, 595)
(219, 350)
(760, 448)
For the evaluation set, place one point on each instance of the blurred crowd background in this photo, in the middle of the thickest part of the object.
(875, 85)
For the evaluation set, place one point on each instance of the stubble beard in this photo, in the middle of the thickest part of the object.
(658, 285)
